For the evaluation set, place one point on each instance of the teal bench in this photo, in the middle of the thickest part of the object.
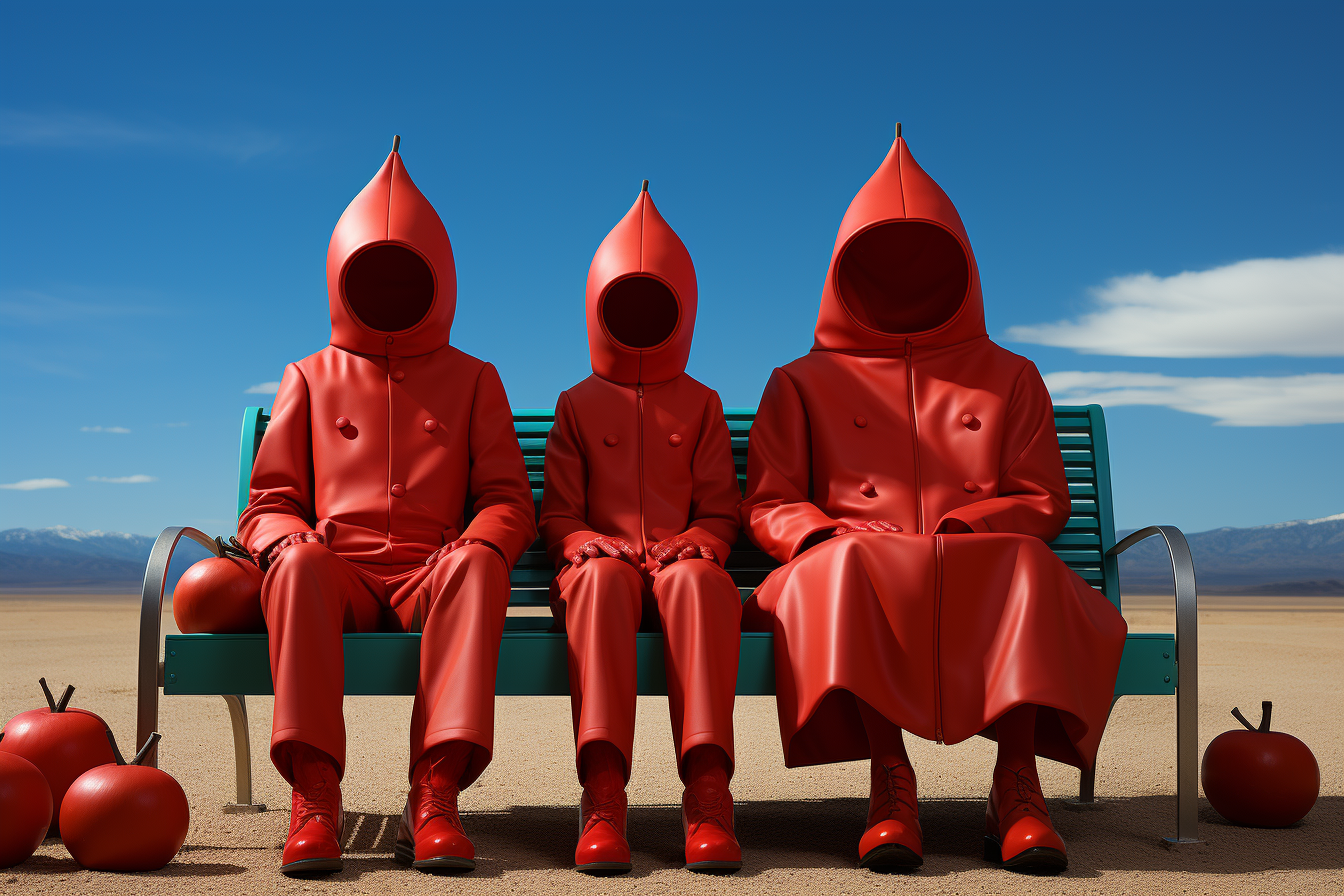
(532, 658)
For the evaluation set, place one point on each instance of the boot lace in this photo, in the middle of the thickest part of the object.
(706, 807)
(602, 810)
(436, 802)
(898, 790)
(315, 805)
(1025, 795)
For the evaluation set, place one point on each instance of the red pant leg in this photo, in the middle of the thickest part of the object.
(701, 614)
(309, 597)
(461, 601)
(601, 602)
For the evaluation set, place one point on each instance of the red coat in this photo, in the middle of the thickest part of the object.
(640, 450)
(905, 411)
(384, 443)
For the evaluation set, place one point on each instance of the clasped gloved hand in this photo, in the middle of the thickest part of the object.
(869, 526)
(288, 542)
(679, 547)
(603, 546)
(454, 545)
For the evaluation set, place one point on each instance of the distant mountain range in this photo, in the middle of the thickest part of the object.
(1301, 557)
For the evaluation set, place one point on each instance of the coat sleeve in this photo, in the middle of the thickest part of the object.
(715, 497)
(777, 511)
(1033, 495)
(280, 500)
(564, 502)
(499, 492)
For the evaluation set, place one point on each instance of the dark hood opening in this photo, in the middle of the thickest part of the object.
(903, 277)
(389, 288)
(640, 312)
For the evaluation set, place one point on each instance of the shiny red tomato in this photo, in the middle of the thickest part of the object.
(125, 816)
(25, 808)
(63, 743)
(1261, 778)
(221, 595)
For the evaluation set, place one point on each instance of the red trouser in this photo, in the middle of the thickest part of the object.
(311, 596)
(700, 612)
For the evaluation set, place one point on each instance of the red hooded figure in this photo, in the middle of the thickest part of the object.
(389, 493)
(639, 514)
(907, 473)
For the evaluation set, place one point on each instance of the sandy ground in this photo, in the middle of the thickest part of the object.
(799, 828)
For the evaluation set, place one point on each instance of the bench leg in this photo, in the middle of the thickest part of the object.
(242, 756)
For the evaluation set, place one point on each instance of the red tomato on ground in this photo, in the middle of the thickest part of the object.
(25, 808)
(63, 743)
(125, 817)
(1258, 777)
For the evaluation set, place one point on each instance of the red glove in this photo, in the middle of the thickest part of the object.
(678, 547)
(454, 545)
(603, 545)
(289, 541)
(869, 526)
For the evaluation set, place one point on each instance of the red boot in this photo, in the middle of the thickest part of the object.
(893, 840)
(430, 836)
(316, 820)
(602, 846)
(1018, 832)
(707, 819)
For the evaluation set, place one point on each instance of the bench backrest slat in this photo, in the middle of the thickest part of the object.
(1081, 430)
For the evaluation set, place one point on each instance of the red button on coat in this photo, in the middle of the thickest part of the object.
(971, 486)
(398, 375)
(860, 421)
(431, 425)
(967, 419)
(867, 489)
(342, 422)
(611, 440)
(674, 440)
(389, 340)
(398, 490)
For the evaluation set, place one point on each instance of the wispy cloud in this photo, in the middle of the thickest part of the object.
(262, 389)
(1234, 401)
(1263, 306)
(28, 485)
(33, 306)
(86, 130)
(117, 429)
(137, 479)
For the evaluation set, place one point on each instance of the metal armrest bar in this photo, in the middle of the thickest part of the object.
(151, 612)
(1187, 675)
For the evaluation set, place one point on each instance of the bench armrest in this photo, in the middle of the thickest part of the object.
(1187, 672)
(151, 613)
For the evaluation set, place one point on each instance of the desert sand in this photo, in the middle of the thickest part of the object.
(799, 828)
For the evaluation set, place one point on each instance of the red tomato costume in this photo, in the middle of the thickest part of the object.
(640, 457)
(395, 449)
(906, 413)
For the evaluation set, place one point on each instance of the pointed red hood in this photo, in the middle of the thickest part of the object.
(902, 267)
(641, 299)
(391, 282)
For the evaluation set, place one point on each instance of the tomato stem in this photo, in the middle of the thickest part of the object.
(1236, 714)
(116, 751)
(62, 703)
(51, 701)
(1266, 707)
(153, 739)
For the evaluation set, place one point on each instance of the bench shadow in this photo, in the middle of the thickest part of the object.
(45, 865)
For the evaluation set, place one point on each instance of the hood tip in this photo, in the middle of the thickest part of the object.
(898, 130)
(396, 139)
(644, 188)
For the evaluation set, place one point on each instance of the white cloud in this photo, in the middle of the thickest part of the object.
(262, 389)
(28, 485)
(137, 479)
(1263, 306)
(1235, 401)
(120, 430)
(77, 130)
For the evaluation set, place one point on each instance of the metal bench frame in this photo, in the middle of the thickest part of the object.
(532, 659)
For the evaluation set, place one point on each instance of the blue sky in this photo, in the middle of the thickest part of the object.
(169, 178)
